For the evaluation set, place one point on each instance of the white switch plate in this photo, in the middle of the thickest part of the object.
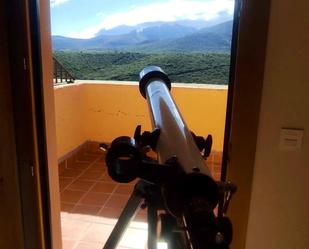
(291, 139)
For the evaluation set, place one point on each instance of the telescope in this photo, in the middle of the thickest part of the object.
(177, 187)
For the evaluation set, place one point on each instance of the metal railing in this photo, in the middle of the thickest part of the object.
(61, 74)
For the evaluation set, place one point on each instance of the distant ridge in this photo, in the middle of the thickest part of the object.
(155, 38)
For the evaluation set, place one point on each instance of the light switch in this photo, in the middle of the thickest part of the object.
(291, 139)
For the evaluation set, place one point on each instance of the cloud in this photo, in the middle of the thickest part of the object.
(170, 10)
(54, 3)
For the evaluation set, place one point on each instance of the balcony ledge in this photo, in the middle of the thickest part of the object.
(92, 110)
(134, 83)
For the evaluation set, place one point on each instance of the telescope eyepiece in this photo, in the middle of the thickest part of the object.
(152, 73)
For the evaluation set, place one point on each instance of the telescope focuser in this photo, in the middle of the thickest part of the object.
(147, 138)
(204, 145)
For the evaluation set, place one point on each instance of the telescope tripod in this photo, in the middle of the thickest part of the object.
(196, 226)
(144, 195)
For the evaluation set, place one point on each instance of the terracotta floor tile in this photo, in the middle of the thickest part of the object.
(98, 233)
(104, 187)
(96, 199)
(63, 215)
(117, 201)
(107, 178)
(112, 213)
(217, 176)
(87, 218)
(71, 160)
(89, 210)
(70, 173)
(141, 216)
(68, 244)
(95, 170)
(100, 166)
(82, 185)
(91, 175)
(64, 182)
(79, 165)
(74, 229)
(121, 247)
(97, 153)
(94, 153)
(124, 189)
(87, 158)
(89, 245)
(71, 196)
(217, 168)
(62, 166)
(101, 159)
(134, 238)
(94, 150)
(67, 207)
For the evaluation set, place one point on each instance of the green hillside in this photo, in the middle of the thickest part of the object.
(189, 68)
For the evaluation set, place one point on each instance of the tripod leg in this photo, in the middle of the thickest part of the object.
(126, 216)
(152, 227)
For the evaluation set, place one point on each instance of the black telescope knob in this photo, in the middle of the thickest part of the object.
(122, 159)
(149, 74)
(224, 233)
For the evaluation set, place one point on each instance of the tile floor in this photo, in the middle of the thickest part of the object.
(91, 203)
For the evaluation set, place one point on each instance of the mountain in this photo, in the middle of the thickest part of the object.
(154, 37)
(212, 39)
(61, 42)
(119, 30)
(112, 40)
(223, 16)
(124, 29)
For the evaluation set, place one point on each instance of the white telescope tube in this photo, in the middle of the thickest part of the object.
(176, 141)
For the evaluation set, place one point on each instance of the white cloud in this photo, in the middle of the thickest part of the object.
(171, 10)
(54, 3)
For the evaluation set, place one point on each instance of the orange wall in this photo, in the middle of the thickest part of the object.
(114, 110)
(203, 109)
(70, 118)
(102, 111)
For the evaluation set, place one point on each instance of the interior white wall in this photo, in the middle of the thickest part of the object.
(279, 211)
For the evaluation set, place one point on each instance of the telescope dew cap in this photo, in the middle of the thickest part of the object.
(152, 72)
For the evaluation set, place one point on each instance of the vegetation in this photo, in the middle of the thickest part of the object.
(211, 68)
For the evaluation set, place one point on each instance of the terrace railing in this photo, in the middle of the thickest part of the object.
(61, 74)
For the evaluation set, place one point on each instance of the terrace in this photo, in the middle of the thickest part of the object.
(89, 112)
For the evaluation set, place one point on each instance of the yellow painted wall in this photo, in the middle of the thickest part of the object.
(204, 111)
(104, 111)
(114, 110)
(70, 117)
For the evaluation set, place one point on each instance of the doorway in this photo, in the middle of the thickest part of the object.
(258, 37)
(105, 72)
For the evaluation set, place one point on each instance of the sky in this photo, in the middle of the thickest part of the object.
(84, 18)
